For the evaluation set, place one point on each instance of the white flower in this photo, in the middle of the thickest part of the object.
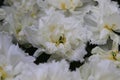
(102, 21)
(61, 4)
(103, 64)
(27, 72)
(77, 8)
(22, 5)
(106, 7)
(110, 53)
(53, 71)
(49, 71)
(99, 69)
(10, 57)
(60, 35)
(20, 14)
(17, 19)
(56, 71)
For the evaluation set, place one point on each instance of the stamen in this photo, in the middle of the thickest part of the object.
(62, 40)
(3, 73)
(110, 28)
(63, 6)
(113, 55)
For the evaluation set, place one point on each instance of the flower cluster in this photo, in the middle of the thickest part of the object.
(64, 30)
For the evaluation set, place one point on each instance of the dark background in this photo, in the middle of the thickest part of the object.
(1, 2)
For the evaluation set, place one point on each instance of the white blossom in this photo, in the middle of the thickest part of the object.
(99, 69)
(20, 14)
(51, 71)
(102, 21)
(110, 53)
(57, 34)
(10, 57)
(61, 4)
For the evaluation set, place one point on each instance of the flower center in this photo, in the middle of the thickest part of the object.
(71, 4)
(3, 74)
(33, 15)
(113, 55)
(110, 28)
(18, 29)
(61, 39)
(63, 6)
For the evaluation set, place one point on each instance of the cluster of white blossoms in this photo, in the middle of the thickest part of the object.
(61, 29)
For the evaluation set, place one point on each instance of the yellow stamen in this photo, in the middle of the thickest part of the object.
(62, 40)
(110, 28)
(113, 55)
(33, 15)
(110, 57)
(3, 73)
(63, 6)
(18, 29)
